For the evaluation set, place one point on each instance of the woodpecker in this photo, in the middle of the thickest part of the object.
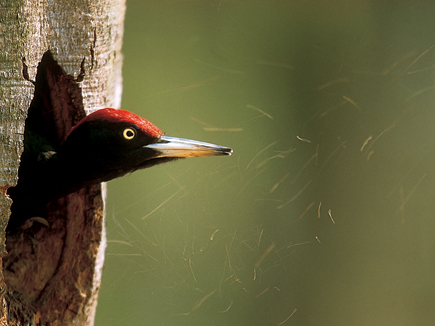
(110, 143)
(104, 145)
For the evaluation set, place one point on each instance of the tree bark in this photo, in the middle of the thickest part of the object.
(74, 32)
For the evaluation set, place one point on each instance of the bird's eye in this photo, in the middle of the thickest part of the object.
(129, 133)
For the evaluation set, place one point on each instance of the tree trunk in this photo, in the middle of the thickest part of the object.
(54, 277)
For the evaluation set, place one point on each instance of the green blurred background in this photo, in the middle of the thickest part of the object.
(334, 228)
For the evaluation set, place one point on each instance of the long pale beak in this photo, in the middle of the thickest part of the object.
(179, 147)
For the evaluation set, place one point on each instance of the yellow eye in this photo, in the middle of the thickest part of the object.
(129, 133)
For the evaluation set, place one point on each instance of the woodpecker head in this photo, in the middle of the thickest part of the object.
(110, 143)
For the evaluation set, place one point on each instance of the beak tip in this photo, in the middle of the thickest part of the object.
(227, 151)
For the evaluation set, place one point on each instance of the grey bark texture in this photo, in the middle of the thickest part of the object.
(72, 31)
